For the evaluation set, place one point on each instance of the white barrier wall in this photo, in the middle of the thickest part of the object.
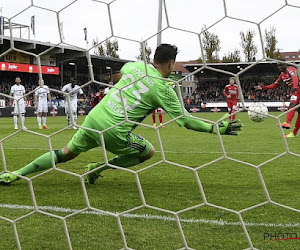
(2, 103)
(247, 104)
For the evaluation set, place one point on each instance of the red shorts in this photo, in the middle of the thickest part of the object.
(232, 104)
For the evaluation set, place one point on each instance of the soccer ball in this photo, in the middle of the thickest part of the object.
(257, 107)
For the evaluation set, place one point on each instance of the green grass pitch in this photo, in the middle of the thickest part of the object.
(226, 183)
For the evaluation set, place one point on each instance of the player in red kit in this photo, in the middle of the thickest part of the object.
(289, 77)
(296, 129)
(231, 93)
(159, 111)
(98, 97)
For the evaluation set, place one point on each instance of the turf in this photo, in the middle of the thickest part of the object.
(226, 183)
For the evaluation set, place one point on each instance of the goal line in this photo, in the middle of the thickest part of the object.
(155, 217)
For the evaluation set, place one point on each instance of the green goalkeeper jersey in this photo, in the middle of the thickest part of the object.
(141, 97)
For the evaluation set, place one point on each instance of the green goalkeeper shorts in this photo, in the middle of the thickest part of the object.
(115, 142)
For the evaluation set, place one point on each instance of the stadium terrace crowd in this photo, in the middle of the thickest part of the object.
(212, 91)
(30, 83)
(207, 91)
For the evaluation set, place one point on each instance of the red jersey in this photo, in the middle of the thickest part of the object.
(290, 78)
(97, 98)
(231, 90)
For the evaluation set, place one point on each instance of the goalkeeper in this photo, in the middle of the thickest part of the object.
(141, 97)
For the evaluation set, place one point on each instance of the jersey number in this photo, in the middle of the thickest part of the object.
(136, 93)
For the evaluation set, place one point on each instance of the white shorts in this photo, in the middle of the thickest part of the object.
(22, 108)
(73, 108)
(42, 107)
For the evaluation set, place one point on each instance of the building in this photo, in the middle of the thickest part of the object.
(66, 60)
(290, 56)
(189, 84)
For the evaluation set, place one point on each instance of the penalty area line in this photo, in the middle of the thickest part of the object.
(155, 217)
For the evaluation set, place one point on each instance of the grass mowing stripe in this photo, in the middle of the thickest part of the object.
(225, 183)
(174, 152)
(154, 217)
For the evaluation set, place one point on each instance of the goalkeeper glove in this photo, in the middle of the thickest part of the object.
(228, 128)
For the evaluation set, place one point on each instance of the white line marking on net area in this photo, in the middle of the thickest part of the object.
(174, 152)
(154, 217)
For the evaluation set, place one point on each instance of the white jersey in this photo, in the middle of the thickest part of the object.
(42, 102)
(42, 94)
(18, 92)
(77, 90)
(73, 97)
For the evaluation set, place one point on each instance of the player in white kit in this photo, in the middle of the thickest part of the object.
(18, 92)
(41, 98)
(75, 89)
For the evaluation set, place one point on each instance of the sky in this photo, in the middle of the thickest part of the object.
(133, 21)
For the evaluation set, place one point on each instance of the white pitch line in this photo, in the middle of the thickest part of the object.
(154, 217)
(219, 152)
(173, 152)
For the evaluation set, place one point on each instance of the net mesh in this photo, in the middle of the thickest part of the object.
(118, 216)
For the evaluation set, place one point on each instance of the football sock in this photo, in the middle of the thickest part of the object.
(44, 120)
(68, 119)
(43, 162)
(160, 118)
(15, 120)
(290, 116)
(297, 125)
(153, 117)
(75, 117)
(39, 121)
(23, 119)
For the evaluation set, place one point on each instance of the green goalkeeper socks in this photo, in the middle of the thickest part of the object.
(41, 163)
(44, 162)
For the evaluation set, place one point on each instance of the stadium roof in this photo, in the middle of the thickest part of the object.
(264, 68)
(64, 54)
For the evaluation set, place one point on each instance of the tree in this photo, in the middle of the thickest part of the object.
(148, 52)
(248, 46)
(232, 56)
(271, 41)
(101, 50)
(112, 48)
(109, 49)
(211, 45)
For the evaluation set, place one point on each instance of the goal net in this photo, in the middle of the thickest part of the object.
(168, 198)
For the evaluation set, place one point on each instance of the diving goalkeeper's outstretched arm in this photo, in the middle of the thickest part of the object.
(168, 100)
(225, 127)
